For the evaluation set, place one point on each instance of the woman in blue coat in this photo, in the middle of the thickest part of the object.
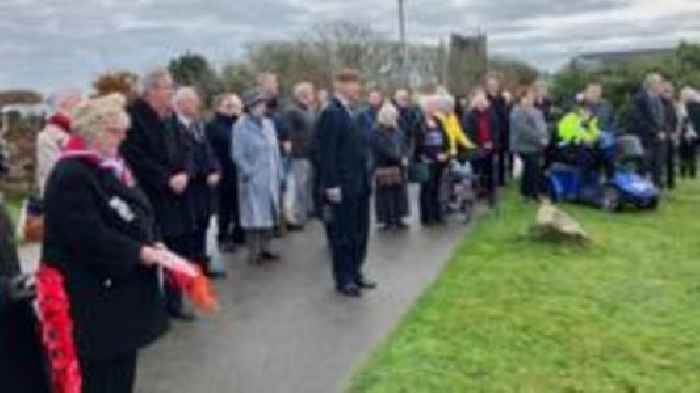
(257, 157)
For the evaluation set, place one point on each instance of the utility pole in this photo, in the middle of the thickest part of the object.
(404, 46)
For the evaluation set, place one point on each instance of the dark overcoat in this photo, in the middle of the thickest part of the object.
(156, 152)
(201, 163)
(95, 229)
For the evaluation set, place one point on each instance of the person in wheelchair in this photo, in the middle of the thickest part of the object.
(581, 143)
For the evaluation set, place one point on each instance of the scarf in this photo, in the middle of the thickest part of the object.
(76, 148)
(61, 121)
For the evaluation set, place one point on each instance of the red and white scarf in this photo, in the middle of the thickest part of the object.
(76, 148)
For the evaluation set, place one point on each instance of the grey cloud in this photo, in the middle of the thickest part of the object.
(50, 43)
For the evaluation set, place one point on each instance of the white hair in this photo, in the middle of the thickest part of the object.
(430, 101)
(651, 79)
(388, 115)
(185, 93)
(688, 94)
(303, 87)
(447, 103)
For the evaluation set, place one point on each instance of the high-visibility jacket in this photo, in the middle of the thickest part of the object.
(456, 136)
(572, 129)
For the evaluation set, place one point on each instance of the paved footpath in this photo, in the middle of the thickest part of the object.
(282, 329)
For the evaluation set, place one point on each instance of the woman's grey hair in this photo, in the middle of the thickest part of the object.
(447, 103)
(430, 102)
(388, 115)
(152, 79)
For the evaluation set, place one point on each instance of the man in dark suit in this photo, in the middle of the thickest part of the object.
(648, 122)
(159, 159)
(345, 180)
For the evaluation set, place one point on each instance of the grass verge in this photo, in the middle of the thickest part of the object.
(511, 315)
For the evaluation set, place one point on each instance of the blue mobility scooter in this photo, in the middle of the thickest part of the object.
(569, 183)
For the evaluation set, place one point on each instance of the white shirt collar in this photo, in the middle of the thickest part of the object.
(184, 120)
(345, 102)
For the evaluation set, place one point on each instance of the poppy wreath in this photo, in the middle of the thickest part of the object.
(56, 331)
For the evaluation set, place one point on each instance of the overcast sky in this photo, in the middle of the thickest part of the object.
(51, 44)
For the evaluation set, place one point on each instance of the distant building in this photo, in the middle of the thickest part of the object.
(596, 61)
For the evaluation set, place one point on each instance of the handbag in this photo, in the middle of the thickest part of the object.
(388, 176)
(418, 172)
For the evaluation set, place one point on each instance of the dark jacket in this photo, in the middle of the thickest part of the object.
(21, 366)
(156, 152)
(645, 121)
(605, 114)
(670, 115)
(502, 111)
(343, 152)
(275, 113)
(301, 123)
(95, 228)
(410, 120)
(201, 163)
(220, 135)
(367, 119)
(388, 147)
(545, 106)
(425, 149)
(470, 125)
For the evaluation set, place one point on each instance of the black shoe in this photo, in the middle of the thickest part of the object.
(183, 316)
(350, 291)
(217, 275)
(364, 283)
(270, 257)
(228, 247)
(295, 228)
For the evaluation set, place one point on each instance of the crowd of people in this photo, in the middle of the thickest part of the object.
(126, 185)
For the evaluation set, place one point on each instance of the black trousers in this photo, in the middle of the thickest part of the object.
(688, 160)
(228, 217)
(484, 167)
(116, 375)
(671, 165)
(505, 166)
(654, 161)
(348, 234)
(430, 207)
(531, 182)
(181, 245)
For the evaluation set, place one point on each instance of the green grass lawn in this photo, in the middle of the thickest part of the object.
(511, 315)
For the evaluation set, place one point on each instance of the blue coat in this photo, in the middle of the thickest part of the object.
(259, 165)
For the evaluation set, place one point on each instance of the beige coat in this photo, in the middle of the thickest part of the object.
(49, 144)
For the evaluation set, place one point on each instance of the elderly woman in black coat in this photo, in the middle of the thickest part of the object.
(432, 147)
(99, 300)
(389, 149)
